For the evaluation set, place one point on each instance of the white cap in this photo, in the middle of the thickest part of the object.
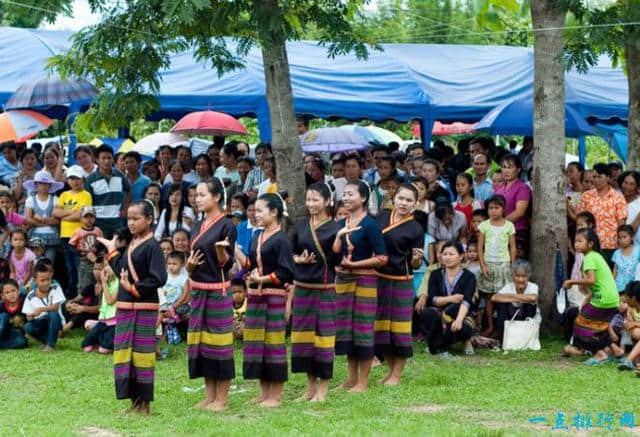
(75, 171)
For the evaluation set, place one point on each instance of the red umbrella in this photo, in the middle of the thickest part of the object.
(213, 123)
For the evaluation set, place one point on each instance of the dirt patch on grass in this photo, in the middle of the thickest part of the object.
(98, 432)
(426, 409)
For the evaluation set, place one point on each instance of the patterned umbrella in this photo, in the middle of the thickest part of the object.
(51, 91)
(213, 123)
(19, 126)
(331, 139)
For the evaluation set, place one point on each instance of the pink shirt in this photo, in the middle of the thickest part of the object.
(21, 266)
(514, 193)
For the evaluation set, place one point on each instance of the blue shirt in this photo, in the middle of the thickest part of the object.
(483, 190)
(367, 241)
(8, 171)
(138, 187)
(245, 233)
(625, 267)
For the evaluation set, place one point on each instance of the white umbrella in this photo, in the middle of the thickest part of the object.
(148, 145)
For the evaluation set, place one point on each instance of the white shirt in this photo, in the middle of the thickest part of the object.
(532, 288)
(43, 205)
(633, 209)
(187, 213)
(190, 177)
(33, 301)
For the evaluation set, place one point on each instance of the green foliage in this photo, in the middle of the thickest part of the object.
(602, 33)
(125, 52)
(32, 13)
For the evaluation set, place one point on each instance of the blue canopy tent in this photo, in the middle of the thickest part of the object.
(403, 82)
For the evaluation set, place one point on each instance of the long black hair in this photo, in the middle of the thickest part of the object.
(275, 202)
(591, 237)
(168, 209)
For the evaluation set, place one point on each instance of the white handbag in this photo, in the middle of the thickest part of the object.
(521, 334)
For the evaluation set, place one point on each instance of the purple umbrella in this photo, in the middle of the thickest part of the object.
(51, 91)
(332, 139)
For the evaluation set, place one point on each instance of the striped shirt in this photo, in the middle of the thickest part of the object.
(254, 178)
(108, 194)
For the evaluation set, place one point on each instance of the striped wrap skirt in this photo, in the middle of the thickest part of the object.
(134, 355)
(393, 318)
(313, 330)
(356, 296)
(210, 335)
(264, 350)
(590, 330)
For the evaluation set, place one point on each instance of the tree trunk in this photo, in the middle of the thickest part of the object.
(632, 55)
(549, 226)
(284, 134)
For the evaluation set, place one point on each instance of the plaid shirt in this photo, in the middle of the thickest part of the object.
(254, 178)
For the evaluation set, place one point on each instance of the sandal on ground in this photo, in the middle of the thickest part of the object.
(594, 361)
(626, 364)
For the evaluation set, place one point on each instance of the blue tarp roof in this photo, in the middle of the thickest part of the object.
(405, 81)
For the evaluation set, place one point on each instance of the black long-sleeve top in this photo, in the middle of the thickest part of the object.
(211, 270)
(318, 272)
(466, 286)
(149, 263)
(277, 259)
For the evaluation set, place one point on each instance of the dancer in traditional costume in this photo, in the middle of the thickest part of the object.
(314, 297)
(403, 239)
(210, 336)
(271, 267)
(361, 245)
(142, 271)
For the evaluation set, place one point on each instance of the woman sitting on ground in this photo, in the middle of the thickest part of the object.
(446, 310)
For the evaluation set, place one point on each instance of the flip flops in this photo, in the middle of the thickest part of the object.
(626, 364)
(594, 361)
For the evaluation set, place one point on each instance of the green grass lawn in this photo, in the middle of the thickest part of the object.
(71, 393)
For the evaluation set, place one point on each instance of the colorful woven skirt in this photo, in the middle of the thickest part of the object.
(134, 354)
(265, 354)
(210, 336)
(355, 315)
(590, 330)
(313, 330)
(393, 318)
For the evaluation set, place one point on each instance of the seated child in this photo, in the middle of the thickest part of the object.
(630, 309)
(239, 288)
(42, 307)
(174, 296)
(12, 320)
(518, 298)
(101, 333)
(85, 306)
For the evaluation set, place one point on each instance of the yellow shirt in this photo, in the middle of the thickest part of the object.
(70, 201)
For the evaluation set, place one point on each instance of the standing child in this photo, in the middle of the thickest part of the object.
(84, 240)
(465, 202)
(479, 215)
(101, 334)
(239, 306)
(142, 271)
(496, 251)
(21, 260)
(174, 296)
(625, 258)
(68, 210)
(590, 331)
(12, 319)
(43, 308)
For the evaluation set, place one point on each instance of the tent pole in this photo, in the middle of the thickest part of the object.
(582, 150)
(426, 128)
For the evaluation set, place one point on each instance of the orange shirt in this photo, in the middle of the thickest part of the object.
(609, 211)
